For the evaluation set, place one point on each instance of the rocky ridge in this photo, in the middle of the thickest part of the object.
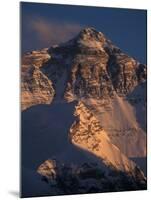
(36, 88)
(87, 178)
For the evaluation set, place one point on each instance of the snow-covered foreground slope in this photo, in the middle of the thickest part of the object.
(32, 185)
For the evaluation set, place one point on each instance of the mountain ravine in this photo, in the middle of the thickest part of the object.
(96, 94)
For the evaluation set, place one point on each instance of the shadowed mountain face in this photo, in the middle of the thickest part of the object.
(81, 104)
(45, 134)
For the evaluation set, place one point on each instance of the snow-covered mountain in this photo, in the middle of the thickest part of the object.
(95, 113)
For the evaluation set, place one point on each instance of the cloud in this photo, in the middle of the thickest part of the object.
(39, 32)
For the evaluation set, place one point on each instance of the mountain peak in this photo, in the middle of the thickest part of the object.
(88, 30)
(91, 34)
(88, 41)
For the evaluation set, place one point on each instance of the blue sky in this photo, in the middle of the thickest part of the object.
(43, 25)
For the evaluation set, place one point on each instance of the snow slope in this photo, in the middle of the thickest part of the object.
(118, 118)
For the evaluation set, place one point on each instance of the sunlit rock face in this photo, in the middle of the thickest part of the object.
(108, 88)
(125, 72)
(36, 88)
(96, 67)
(88, 133)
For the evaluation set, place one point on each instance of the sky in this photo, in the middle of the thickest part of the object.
(43, 25)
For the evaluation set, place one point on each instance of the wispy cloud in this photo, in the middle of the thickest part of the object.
(41, 32)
